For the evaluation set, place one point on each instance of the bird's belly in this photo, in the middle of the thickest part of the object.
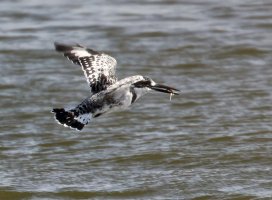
(119, 103)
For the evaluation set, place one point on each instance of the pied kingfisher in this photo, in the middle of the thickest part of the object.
(107, 93)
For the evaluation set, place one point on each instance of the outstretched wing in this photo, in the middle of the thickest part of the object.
(99, 68)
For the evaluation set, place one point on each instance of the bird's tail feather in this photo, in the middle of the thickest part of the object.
(70, 118)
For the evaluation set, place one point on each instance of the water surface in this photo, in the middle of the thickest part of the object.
(211, 142)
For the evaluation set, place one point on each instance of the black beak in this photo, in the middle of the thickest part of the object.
(165, 89)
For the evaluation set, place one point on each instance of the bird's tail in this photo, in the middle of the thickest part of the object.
(70, 118)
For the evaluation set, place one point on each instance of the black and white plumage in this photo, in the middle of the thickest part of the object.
(107, 93)
(98, 68)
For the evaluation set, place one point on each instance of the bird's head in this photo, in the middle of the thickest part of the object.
(148, 84)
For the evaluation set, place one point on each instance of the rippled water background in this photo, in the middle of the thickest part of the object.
(212, 142)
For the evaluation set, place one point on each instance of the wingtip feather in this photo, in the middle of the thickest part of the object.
(62, 47)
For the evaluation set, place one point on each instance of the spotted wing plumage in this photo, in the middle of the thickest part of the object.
(98, 68)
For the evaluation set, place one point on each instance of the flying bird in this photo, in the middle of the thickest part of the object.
(107, 92)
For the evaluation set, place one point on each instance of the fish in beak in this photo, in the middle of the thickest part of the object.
(165, 89)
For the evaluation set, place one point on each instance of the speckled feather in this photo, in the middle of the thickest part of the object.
(98, 68)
